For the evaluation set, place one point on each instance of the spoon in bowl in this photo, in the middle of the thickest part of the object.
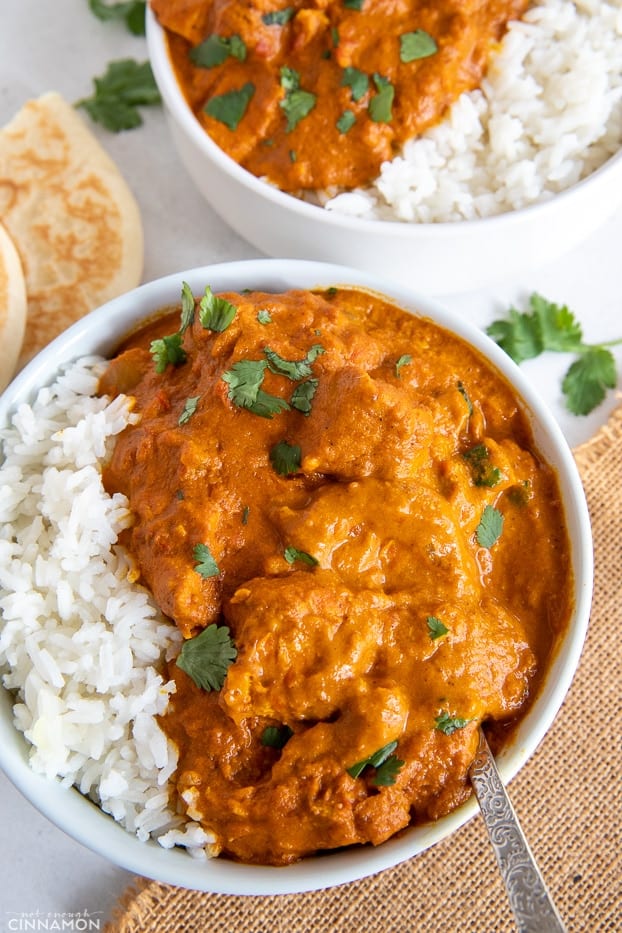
(534, 910)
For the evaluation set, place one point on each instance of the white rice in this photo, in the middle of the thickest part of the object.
(82, 645)
(548, 114)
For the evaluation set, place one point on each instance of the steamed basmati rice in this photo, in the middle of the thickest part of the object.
(82, 645)
(547, 115)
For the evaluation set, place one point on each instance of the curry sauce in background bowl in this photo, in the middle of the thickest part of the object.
(409, 372)
(256, 140)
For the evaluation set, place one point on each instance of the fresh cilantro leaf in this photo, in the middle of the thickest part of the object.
(292, 554)
(206, 658)
(285, 458)
(293, 369)
(378, 760)
(302, 396)
(334, 34)
(266, 405)
(278, 17)
(380, 106)
(297, 103)
(353, 4)
(587, 380)
(245, 513)
(244, 380)
(490, 527)
(559, 328)
(416, 45)
(230, 107)
(448, 724)
(483, 473)
(357, 81)
(215, 313)
(216, 49)
(346, 121)
(187, 308)
(293, 155)
(276, 736)
(388, 771)
(133, 13)
(167, 350)
(190, 407)
(124, 87)
(264, 317)
(404, 360)
(436, 629)
(206, 565)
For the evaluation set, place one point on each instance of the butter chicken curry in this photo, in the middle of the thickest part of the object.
(341, 507)
(315, 94)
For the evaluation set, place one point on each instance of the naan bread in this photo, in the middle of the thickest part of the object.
(70, 214)
(12, 307)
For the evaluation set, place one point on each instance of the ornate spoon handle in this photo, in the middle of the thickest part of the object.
(534, 911)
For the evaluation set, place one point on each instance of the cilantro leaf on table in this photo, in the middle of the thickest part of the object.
(551, 327)
(125, 86)
(206, 658)
(132, 12)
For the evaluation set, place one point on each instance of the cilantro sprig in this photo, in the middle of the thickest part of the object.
(132, 12)
(386, 764)
(206, 565)
(244, 380)
(207, 657)
(167, 350)
(119, 92)
(490, 527)
(551, 327)
(448, 724)
(297, 102)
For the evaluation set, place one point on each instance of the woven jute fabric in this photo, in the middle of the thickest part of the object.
(568, 798)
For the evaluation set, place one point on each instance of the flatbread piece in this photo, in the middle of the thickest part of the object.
(12, 307)
(70, 214)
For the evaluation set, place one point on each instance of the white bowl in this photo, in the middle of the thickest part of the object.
(100, 333)
(439, 258)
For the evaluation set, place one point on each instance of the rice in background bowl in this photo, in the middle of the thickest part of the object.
(133, 617)
(469, 202)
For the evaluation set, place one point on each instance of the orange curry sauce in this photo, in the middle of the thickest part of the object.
(311, 95)
(370, 601)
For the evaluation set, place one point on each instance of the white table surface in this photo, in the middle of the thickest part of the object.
(59, 45)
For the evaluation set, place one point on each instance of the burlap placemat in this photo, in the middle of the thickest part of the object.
(568, 797)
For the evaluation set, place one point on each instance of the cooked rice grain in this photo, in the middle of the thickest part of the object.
(81, 644)
(548, 114)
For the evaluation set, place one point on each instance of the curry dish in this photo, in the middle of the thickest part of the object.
(310, 95)
(341, 507)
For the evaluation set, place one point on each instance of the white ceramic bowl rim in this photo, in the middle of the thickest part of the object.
(100, 332)
(174, 98)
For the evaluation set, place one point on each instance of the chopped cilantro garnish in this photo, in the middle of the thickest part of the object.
(229, 108)
(380, 106)
(448, 724)
(216, 49)
(133, 12)
(346, 121)
(276, 736)
(297, 103)
(206, 658)
(293, 369)
(245, 513)
(278, 17)
(206, 565)
(293, 155)
(125, 86)
(353, 4)
(302, 396)
(187, 308)
(415, 45)
(490, 527)
(387, 765)
(190, 407)
(403, 361)
(167, 350)
(244, 380)
(334, 34)
(264, 317)
(436, 629)
(292, 554)
(465, 395)
(356, 80)
(483, 473)
(285, 458)
(215, 313)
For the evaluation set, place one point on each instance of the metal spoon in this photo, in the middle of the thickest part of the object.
(534, 910)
